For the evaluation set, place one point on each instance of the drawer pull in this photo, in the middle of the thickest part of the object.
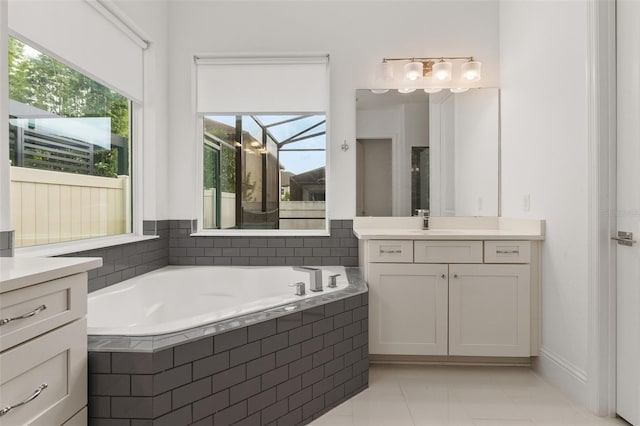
(36, 311)
(33, 396)
(387, 251)
(508, 251)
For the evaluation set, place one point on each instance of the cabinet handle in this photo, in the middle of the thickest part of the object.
(383, 251)
(507, 251)
(33, 396)
(36, 311)
(455, 275)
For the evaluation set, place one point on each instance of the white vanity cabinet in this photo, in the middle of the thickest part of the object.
(452, 297)
(43, 341)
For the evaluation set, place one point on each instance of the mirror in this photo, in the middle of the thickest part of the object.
(434, 151)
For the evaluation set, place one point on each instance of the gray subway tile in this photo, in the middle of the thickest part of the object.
(282, 252)
(228, 378)
(343, 347)
(252, 420)
(192, 351)
(204, 242)
(244, 390)
(231, 252)
(334, 395)
(240, 261)
(240, 242)
(293, 261)
(231, 339)
(342, 319)
(180, 417)
(261, 365)
(287, 355)
(310, 346)
(276, 261)
(258, 242)
(312, 376)
(261, 330)
(302, 252)
(212, 252)
(274, 411)
(299, 398)
(266, 252)
(162, 360)
(291, 386)
(244, 353)
(361, 313)
(171, 379)
(342, 376)
(258, 261)
(261, 400)
(313, 242)
(109, 384)
(275, 343)
(222, 242)
(289, 322)
(211, 404)
(207, 421)
(352, 357)
(291, 418)
(352, 302)
(300, 366)
(352, 330)
(322, 356)
(275, 377)
(276, 242)
(231, 414)
(205, 261)
(210, 365)
(99, 406)
(191, 392)
(332, 337)
(334, 308)
(352, 385)
(300, 334)
(323, 386)
(360, 339)
(294, 242)
(131, 407)
(322, 326)
(100, 362)
(313, 314)
(313, 407)
(222, 261)
(142, 385)
(333, 366)
(161, 404)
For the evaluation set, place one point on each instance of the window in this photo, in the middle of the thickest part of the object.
(70, 152)
(264, 171)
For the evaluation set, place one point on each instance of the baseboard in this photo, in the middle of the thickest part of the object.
(449, 360)
(563, 374)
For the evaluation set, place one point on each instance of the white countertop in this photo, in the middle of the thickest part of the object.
(18, 272)
(450, 228)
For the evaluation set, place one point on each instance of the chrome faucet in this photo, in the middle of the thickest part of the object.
(425, 217)
(315, 277)
(299, 288)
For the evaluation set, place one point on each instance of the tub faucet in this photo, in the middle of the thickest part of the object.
(315, 277)
(299, 288)
(425, 217)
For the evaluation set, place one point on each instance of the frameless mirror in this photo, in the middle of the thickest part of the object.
(427, 151)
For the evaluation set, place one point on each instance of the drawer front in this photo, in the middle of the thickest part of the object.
(31, 311)
(448, 251)
(80, 419)
(396, 251)
(56, 363)
(507, 251)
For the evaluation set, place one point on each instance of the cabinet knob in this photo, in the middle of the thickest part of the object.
(443, 276)
(455, 275)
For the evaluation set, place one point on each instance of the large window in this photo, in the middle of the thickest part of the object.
(70, 152)
(264, 171)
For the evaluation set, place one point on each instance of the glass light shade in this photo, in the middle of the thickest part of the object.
(384, 71)
(442, 71)
(413, 70)
(472, 70)
(379, 91)
(407, 90)
(432, 89)
(458, 89)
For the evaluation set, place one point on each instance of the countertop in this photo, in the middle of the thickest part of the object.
(452, 228)
(17, 272)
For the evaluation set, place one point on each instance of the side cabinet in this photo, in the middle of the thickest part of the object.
(408, 308)
(489, 310)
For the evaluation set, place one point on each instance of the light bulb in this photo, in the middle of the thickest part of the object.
(442, 70)
(384, 71)
(413, 70)
(472, 70)
(407, 90)
(432, 89)
(458, 89)
(379, 91)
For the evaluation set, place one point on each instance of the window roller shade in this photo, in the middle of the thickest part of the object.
(77, 34)
(262, 85)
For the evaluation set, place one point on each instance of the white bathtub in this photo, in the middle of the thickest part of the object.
(177, 298)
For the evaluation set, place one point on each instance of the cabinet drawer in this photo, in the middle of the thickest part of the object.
(31, 311)
(507, 251)
(396, 251)
(57, 360)
(448, 252)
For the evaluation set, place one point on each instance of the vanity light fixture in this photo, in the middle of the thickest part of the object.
(432, 89)
(379, 91)
(439, 70)
(458, 89)
(407, 90)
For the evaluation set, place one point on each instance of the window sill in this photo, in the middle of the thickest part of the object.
(68, 247)
(262, 233)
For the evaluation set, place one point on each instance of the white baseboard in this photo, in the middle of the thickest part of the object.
(563, 374)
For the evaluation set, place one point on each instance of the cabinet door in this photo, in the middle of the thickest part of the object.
(489, 310)
(408, 309)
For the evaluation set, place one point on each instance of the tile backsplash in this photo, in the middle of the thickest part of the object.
(175, 246)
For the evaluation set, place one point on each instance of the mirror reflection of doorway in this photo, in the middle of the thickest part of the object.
(373, 177)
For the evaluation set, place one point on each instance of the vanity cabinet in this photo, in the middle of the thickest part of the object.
(454, 297)
(43, 341)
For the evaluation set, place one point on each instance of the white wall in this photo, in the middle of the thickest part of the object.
(5, 211)
(151, 19)
(356, 35)
(544, 156)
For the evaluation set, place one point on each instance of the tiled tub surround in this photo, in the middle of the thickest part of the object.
(275, 368)
(175, 246)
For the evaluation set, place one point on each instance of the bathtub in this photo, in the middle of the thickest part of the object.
(225, 345)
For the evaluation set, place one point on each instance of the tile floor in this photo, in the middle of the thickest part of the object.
(460, 396)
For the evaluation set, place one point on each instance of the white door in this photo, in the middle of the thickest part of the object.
(407, 309)
(373, 177)
(628, 211)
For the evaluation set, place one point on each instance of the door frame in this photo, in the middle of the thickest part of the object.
(601, 134)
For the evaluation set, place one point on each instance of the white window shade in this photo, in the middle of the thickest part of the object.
(262, 85)
(83, 37)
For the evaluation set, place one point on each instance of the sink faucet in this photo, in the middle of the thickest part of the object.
(315, 277)
(425, 217)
